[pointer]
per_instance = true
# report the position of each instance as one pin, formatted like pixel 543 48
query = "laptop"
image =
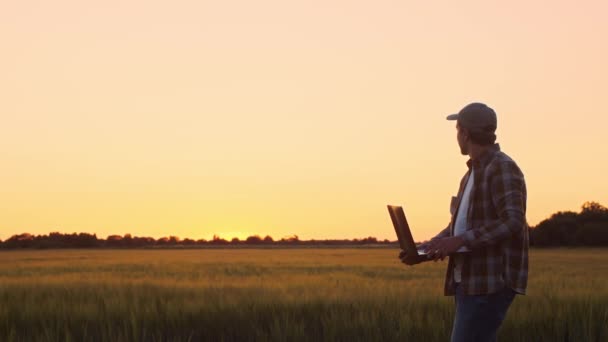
pixel 406 240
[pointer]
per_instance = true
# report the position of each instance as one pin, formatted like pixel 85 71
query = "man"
pixel 487 238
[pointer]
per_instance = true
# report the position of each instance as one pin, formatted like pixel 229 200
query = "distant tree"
pixel 24 240
pixel 163 241
pixel 593 207
pixel 594 234
pixel 292 239
pixel 253 240
pixel 559 230
pixel 85 240
pixel 268 239
pixel 54 240
pixel 593 212
pixel 570 229
pixel 24 237
pixel 143 241
pixel 369 240
pixel 127 240
pixel 217 240
pixel 114 241
pixel 235 241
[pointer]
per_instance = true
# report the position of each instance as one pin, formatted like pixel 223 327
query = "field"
pixel 301 294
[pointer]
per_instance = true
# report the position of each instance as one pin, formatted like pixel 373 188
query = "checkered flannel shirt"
pixel 496 232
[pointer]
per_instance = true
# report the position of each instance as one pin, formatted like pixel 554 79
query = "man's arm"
pixel 508 190
pixel 446 232
pixel 409 261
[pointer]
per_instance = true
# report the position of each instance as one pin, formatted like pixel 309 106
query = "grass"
pixel 279 295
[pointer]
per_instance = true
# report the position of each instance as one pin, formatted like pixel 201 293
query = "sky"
pixel 234 118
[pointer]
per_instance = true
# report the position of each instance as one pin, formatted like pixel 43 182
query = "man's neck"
pixel 476 151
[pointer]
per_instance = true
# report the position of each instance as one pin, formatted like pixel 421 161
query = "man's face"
pixel 461 136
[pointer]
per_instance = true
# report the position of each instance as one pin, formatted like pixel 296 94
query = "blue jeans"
pixel 478 317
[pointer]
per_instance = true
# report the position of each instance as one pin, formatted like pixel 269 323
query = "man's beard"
pixel 463 150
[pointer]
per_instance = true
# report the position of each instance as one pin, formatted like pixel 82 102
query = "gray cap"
pixel 476 117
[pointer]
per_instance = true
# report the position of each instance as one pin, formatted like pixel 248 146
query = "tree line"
pixel 589 227
pixel 86 240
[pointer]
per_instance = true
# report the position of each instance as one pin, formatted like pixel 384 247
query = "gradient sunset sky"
pixel 195 118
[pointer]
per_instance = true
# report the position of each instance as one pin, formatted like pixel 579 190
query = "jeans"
pixel 478 317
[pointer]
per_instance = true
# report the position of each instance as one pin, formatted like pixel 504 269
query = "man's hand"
pixel 440 248
pixel 408 260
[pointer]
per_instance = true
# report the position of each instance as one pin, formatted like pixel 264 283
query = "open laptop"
pixel 406 241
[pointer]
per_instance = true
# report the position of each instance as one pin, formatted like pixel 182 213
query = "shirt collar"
pixel 485 157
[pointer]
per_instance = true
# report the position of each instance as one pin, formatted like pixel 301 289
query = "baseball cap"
pixel 476 117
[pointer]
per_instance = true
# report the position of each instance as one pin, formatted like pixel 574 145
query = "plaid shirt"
pixel 497 232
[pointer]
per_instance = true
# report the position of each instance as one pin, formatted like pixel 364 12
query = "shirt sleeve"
pixel 508 192
pixel 442 234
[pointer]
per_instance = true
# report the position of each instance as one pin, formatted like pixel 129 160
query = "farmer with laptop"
pixel 489 222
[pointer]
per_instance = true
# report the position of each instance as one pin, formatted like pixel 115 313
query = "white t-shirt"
pixel 460 226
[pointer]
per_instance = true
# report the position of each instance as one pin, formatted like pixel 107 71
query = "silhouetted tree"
pixel 593 207
pixel 114 241
pixel 163 241
pixel 23 240
pixel 143 241
pixel 253 240
pixel 593 212
pixel 218 240
pixel 369 240
pixel 85 240
pixel 594 234
pixel 589 227
pixel 293 239
pixel 127 240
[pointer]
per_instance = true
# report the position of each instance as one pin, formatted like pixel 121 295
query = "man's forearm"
pixel 446 232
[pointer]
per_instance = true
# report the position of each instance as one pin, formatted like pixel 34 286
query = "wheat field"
pixel 292 294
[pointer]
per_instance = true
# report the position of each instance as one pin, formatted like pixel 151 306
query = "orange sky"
pixel 194 118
